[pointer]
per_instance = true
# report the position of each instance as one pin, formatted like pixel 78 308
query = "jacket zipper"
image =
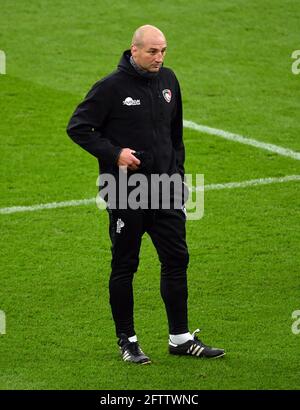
pixel 152 113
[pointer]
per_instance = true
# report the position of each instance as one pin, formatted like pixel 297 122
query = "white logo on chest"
pixel 131 101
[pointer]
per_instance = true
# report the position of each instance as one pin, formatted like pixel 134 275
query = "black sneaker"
pixel 195 348
pixel 131 351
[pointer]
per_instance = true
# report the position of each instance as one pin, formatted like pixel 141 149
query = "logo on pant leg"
pixel 120 225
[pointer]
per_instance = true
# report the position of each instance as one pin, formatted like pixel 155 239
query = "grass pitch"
pixel 233 60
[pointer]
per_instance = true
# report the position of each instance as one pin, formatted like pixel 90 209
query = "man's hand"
pixel 128 160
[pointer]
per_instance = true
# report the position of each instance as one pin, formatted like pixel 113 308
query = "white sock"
pixel 132 338
pixel 182 338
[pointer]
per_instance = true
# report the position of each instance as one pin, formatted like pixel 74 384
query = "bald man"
pixel 132 120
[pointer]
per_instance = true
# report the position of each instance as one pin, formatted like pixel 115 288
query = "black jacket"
pixel 128 110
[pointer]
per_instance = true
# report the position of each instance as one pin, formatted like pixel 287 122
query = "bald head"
pixel 148 48
pixel 145 34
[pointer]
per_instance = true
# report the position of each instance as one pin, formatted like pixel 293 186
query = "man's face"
pixel 150 55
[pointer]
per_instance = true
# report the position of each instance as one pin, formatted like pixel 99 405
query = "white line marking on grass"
pixel 243 140
pixel 51 205
pixel 252 182
pixel 209 187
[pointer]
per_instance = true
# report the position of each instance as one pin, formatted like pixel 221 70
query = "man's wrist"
pixel 118 156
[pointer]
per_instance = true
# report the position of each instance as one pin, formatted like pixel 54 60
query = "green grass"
pixel 233 62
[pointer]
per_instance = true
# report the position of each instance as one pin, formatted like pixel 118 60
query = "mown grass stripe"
pixel 243 140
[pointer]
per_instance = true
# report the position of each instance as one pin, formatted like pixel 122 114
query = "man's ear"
pixel 133 49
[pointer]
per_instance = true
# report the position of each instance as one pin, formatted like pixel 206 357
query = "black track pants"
pixel 167 231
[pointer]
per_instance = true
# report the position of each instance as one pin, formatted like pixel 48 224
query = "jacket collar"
pixel 128 65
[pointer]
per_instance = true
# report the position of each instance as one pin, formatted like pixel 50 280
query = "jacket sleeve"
pixel 177 131
pixel 88 120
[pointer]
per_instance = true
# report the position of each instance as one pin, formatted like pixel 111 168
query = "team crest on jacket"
pixel 167 94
